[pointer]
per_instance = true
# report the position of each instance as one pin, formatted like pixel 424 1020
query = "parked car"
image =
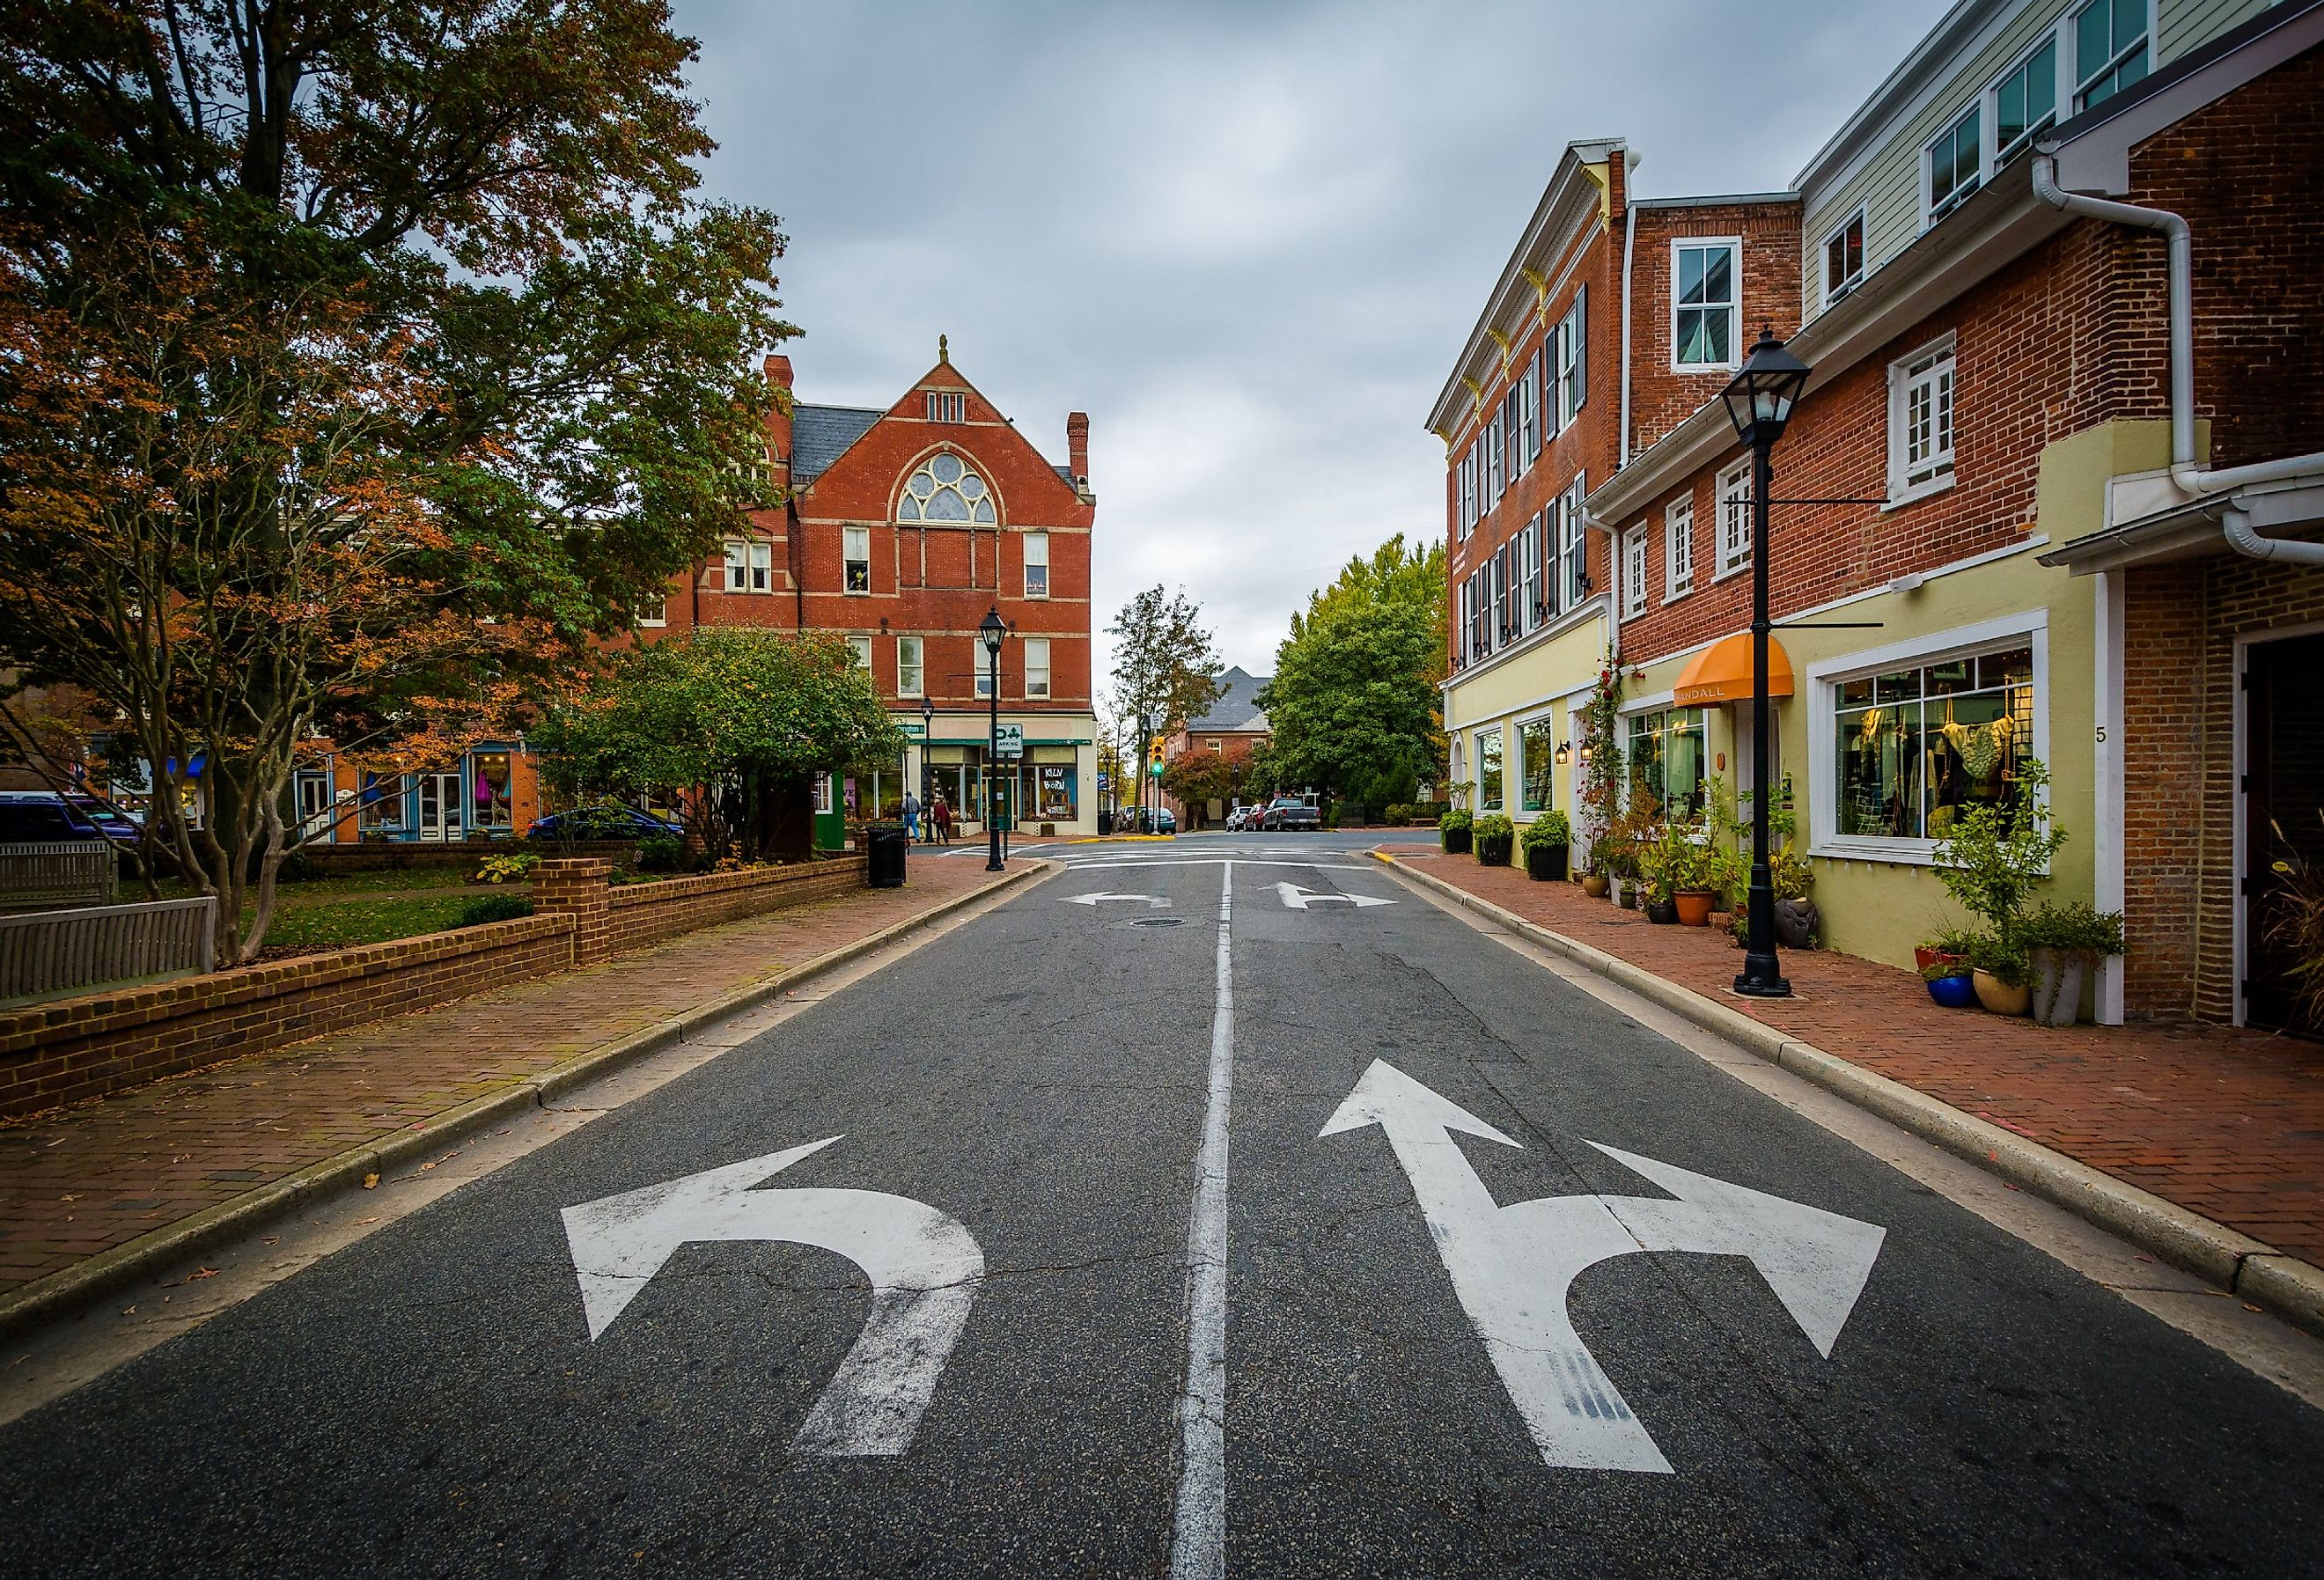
pixel 609 821
pixel 119 827
pixel 1166 821
pixel 43 817
pixel 1236 819
pixel 1285 813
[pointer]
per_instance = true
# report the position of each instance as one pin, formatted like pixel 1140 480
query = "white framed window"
pixel 1950 166
pixel 1528 398
pixel 1734 519
pixel 1915 733
pixel 860 646
pixel 823 794
pixel 1573 357
pixel 1036 565
pixel 2024 102
pixel 857 548
pixel 1678 549
pixel 1843 258
pixel 749 566
pixel 1921 422
pixel 1036 667
pixel 1495 480
pixel 1501 568
pixel 654 615
pixel 1529 574
pixel 948 406
pixel 1634 573
pixel 1706 299
pixel 1544 364
pixel 1490 790
pixel 911 667
pixel 944 488
pixel 2111 50
pixel 984 663
pixel 1572 549
pixel 1215 745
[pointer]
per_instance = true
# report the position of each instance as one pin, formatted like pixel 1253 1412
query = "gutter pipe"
pixel 2191 478
pixel 1629 243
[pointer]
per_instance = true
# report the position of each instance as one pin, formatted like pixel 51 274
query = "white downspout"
pixel 2191 478
pixel 1629 242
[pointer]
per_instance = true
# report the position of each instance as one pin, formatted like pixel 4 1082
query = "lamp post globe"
pixel 1759 401
pixel 993 630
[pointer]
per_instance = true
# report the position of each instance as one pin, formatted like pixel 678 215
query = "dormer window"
pixel 948 406
pixel 1843 259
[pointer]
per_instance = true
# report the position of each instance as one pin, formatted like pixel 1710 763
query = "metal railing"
pixel 47 953
pixel 39 876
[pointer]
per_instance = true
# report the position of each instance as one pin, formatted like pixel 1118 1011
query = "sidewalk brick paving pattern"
pixel 79 1180
pixel 2228 1123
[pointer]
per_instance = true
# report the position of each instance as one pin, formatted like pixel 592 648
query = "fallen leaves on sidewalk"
pixel 370 1182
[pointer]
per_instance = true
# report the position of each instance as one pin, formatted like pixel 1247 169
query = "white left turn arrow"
pixel 1513 1266
pixel 1294 897
pixel 1101 898
pixel 925 1272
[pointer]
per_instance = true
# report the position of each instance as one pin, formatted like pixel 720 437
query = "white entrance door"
pixel 440 806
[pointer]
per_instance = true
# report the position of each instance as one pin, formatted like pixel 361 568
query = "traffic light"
pixel 1154 758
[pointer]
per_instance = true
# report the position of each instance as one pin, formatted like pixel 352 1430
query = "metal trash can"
pixel 1104 821
pixel 887 844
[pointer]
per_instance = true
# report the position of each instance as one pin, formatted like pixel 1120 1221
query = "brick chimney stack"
pixel 778 420
pixel 1077 445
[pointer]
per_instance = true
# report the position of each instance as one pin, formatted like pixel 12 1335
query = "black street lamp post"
pixel 993 630
pixel 1760 403
pixel 928 767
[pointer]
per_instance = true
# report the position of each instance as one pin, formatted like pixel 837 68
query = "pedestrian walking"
pixel 911 816
pixel 940 814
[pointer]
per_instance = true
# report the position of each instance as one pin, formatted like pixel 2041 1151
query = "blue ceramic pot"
pixel 1955 993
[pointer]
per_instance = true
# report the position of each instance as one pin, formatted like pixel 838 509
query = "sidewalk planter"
pixel 1998 996
pixel 1493 838
pixel 2057 985
pixel 1595 884
pixel 1955 993
pixel 1453 831
pixel 1663 912
pixel 1795 923
pixel 1546 863
pixel 1694 906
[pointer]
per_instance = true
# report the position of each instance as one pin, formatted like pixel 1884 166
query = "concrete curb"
pixel 2292 1288
pixel 67 1288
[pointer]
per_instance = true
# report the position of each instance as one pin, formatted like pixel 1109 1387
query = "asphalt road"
pixel 430 1401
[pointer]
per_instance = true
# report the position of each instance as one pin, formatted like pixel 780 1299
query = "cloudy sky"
pixel 1247 238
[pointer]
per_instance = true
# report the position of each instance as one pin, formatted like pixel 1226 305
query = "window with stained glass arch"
pixel 942 488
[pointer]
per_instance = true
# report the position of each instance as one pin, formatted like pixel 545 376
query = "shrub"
pixel 1494 836
pixel 2003 959
pixel 487 908
pixel 1993 856
pixel 513 867
pixel 2079 928
pixel 1550 830
pixel 661 853
pixel 1458 817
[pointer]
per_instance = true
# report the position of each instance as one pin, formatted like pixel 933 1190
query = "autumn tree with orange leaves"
pixel 360 367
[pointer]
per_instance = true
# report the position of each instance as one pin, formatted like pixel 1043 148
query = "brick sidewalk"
pixel 80 1180
pixel 2227 1123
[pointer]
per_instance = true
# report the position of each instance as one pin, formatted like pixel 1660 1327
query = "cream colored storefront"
pixel 1055 782
pixel 1515 739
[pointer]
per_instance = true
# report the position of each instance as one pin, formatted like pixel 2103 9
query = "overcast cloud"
pixel 1248 239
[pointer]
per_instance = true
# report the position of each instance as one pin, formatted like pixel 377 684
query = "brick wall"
pixel 74 1049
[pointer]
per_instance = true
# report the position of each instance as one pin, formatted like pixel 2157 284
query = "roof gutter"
pixel 2234 523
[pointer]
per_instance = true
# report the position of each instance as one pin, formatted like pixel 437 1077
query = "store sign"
pixel 1008 740
pixel 914 729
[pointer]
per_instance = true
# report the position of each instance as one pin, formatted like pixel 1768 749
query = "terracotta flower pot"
pixel 1998 998
pixel 1594 884
pixel 1694 906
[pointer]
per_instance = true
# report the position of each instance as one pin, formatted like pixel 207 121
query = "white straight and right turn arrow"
pixel 1513 1266
pixel 1294 897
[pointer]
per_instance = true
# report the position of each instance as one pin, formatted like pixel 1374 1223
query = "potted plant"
pixel 1950 983
pixel 1949 949
pixel 1998 975
pixel 1690 867
pixel 1545 843
pixel 1655 872
pixel 1493 837
pixel 1452 829
pixel 2063 944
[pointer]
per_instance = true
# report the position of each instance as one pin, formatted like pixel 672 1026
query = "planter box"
pixel 1456 841
pixel 1545 863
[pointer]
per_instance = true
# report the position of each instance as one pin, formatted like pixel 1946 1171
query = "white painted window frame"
pixel 1734 304
pixel 1859 217
pixel 860 644
pixel 1036 678
pixel 1930 212
pixel 1496 733
pixel 1917 367
pixel 1678 548
pixel 2060 38
pixel 1731 502
pixel 915 668
pixel 1036 558
pixel 2069 103
pixel 851 539
pixel 749 560
pixel 1634 572
pixel 1574 349
pixel 1821 688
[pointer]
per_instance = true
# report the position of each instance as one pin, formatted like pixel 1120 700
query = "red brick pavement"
pixel 2227 1123
pixel 80 1180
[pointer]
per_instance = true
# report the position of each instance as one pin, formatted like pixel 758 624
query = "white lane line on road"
pixel 1198 1543
pixel 1219 861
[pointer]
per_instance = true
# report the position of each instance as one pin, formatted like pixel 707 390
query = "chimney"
pixel 778 420
pixel 1077 445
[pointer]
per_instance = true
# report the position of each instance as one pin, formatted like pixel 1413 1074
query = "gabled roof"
pixel 1236 709
pixel 820 435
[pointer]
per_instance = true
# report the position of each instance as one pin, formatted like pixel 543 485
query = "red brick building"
pixel 901 528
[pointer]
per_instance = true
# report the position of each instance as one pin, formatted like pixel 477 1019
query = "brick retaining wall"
pixel 72 1049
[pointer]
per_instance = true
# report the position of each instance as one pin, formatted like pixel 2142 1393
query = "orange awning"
pixel 1721 673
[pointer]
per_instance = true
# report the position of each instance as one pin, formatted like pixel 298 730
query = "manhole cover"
pixel 1159 921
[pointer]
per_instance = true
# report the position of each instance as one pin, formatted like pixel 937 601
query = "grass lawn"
pixel 365 908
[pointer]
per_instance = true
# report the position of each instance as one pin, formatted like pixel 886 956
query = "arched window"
pixel 945 490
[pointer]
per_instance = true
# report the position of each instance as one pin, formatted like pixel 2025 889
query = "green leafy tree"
pixel 1166 670
pixel 364 364
pixel 1196 777
pixel 1354 705
pixel 731 722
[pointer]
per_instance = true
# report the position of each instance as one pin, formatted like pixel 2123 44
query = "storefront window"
pixel 1667 756
pixel 1918 745
pixel 1056 784
pixel 494 808
pixel 381 810
pixel 1489 771
pixel 1537 750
